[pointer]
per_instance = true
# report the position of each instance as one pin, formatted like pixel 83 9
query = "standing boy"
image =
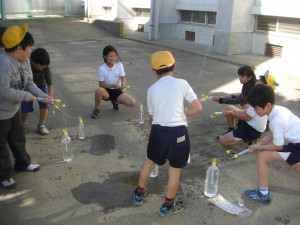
pixel 42 77
pixel 285 127
pixel 169 138
pixel 16 85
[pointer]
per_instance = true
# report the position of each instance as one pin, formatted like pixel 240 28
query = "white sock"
pixel 264 191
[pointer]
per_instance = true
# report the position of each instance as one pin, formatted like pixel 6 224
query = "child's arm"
pixel 50 90
pixel 239 114
pixel 240 99
pixel 123 82
pixel 265 145
pixel 104 85
pixel 196 108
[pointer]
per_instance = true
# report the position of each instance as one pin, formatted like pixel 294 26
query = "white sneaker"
pixel 42 129
pixel 8 183
pixel 33 167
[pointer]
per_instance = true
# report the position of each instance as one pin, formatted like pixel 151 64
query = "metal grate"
pixel 189 36
pixel 274 51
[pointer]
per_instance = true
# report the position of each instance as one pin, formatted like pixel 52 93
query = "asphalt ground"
pixel 97 187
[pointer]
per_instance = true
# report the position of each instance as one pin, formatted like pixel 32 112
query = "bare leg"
pixel 145 173
pixel 126 100
pixel 228 140
pixel 173 182
pixel 296 167
pixel 263 168
pixel 100 94
pixel 24 117
pixel 43 115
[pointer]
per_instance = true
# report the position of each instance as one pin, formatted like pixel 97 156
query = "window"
pixel 141 12
pixel 200 17
pixel 278 24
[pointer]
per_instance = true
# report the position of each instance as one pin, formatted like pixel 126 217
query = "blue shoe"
pixel 175 208
pixel 138 199
pixel 257 195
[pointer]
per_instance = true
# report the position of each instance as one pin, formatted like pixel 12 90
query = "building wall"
pixel 290 42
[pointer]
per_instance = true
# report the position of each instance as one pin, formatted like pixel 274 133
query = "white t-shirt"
pixel 111 75
pixel 284 125
pixel 165 101
pixel 257 122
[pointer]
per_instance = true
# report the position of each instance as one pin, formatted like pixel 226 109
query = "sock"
pixel 97 107
pixel 168 202
pixel 139 190
pixel 264 191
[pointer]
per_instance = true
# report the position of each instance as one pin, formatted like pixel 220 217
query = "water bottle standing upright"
pixel 141 114
pixel 67 151
pixel 212 180
pixel 81 133
pixel 154 172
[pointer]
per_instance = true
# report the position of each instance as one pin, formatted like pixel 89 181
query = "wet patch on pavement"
pixel 114 192
pixel 102 144
pixel 117 190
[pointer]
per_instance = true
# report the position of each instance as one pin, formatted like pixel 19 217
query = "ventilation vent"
pixel 190 36
pixel 274 51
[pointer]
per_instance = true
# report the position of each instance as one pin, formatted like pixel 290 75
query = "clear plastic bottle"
pixel 141 114
pixel 212 179
pixel 154 172
pixel 81 133
pixel 67 151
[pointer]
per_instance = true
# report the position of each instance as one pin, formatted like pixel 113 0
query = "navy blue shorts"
pixel 169 143
pixel 245 132
pixel 294 150
pixel 113 94
pixel 27 107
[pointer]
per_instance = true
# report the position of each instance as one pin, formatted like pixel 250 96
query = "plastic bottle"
pixel 154 172
pixel 81 133
pixel 141 114
pixel 67 151
pixel 212 180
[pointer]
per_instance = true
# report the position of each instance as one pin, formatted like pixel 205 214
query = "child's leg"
pixel 173 182
pixel 43 115
pixel 145 173
pixel 100 94
pixel 24 117
pixel 296 167
pixel 262 166
pixel 127 100
pixel 228 140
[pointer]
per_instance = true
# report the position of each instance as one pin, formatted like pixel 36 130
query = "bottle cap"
pixel 65 132
pixel 80 119
pixel 214 161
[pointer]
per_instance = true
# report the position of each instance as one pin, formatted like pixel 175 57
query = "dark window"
pixel 189 36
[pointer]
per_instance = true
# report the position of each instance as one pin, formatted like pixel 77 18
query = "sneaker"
pixel 42 129
pixel 96 113
pixel 257 195
pixel 138 199
pixel 115 104
pixel 8 183
pixel 31 168
pixel 175 208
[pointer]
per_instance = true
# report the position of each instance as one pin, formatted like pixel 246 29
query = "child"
pixel 285 145
pixel 111 76
pixel 247 78
pixel 169 138
pixel 16 85
pixel 42 77
pixel 249 126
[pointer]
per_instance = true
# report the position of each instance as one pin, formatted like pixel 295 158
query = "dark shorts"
pixel 294 150
pixel 113 94
pixel 27 107
pixel 245 132
pixel 169 143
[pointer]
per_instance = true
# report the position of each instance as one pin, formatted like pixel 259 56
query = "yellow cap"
pixel 271 81
pixel 14 35
pixel 162 59
pixel 65 132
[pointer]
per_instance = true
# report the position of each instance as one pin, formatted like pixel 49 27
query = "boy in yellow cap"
pixel 169 138
pixel 16 85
